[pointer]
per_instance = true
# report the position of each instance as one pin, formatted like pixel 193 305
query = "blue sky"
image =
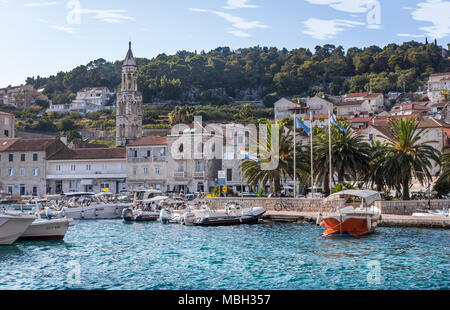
pixel 42 37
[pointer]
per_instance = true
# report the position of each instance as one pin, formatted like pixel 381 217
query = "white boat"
pixel 84 206
pixel 233 214
pixel 12 226
pixel 144 211
pixel 433 213
pixel 45 229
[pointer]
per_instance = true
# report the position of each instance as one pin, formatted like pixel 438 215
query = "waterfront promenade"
pixel 388 220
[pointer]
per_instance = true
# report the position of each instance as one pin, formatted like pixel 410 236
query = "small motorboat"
pixel 147 210
pixel 433 213
pixel 12 226
pixel 87 206
pixel 353 221
pixel 234 214
pixel 47 227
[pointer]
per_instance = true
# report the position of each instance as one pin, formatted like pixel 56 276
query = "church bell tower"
pixel 129 104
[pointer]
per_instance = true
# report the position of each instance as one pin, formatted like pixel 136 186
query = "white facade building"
pixel 89 170
pixel 436 85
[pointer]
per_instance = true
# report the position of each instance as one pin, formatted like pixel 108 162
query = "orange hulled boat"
pixel 353 221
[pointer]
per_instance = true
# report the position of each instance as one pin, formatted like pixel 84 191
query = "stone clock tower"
pixel 129 104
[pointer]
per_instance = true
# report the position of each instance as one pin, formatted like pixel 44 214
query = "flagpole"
pixel 312 155
pixel 295 154
pixel 330 152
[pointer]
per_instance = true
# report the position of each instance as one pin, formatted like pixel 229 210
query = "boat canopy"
pixel 368 195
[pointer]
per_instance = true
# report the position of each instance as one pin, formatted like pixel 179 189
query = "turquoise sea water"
pixel 115 255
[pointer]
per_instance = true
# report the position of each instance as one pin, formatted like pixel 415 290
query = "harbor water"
pixel 115 255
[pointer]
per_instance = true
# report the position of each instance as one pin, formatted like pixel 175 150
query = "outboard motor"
pixel 127 215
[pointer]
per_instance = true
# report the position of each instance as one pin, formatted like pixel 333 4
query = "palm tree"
pixel 256 173
pixel 407 156
pixel 350 155
pixel 181 114
pixel 377 174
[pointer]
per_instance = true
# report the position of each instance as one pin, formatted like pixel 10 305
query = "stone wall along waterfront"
pixel 318 205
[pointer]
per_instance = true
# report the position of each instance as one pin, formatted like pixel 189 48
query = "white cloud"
pixel 240 23
pixel 327 29
pixel 109 16
pixel 410 35
pixel 239 4
pixel 33 4
pixel 69 30
pixel 435 12
pixel 350 6
pixel 238 33
pixel 198 10
pixel 3 1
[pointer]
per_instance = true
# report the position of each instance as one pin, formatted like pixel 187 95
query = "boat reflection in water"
pixel 353 221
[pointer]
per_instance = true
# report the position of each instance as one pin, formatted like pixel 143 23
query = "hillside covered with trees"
pixel 222 75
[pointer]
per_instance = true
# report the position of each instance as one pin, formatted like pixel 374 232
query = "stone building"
pixel 437 84
pixel 129 104
pixel 147 163
pixel 195 157
pixel 23 164
pixel 7 125
pixel 21 96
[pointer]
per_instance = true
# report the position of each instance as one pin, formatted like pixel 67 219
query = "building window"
pixel 35 172
pixel 22 157
pixel 104 187
pixel 11 157
pixel 229 175
pixel 35 191
pixel 145 170
pixel 35 157
pixel 7 133
pixel 58 167
pixel 73 185
pixel 157 171
pixel 22 172
pixel 10 172
pixel 73 168
pixel 88 167
pixel 134 170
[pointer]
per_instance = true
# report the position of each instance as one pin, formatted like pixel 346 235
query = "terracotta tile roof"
pixel 150 140
pixel 372 96
pixel 82 154
pixel 357 95
pixel 411 106
pixel 30 145
pixel 441 74
pixel 6 143
pixel 360 120
pixel 318 116
pixel 384 130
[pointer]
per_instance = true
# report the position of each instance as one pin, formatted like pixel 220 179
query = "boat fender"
pixel 319 220
pixel 116 211
pixel 369 223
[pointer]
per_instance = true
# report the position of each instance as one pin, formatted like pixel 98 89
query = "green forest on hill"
pixel 270 72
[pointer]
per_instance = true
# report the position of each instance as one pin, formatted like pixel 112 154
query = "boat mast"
pixel 329 148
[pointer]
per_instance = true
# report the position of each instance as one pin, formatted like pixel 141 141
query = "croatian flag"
pixel 334 122
pixel 301 125
pixel 245 155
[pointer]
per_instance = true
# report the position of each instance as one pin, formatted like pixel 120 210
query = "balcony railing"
pixel 146 159
pixel 199 174
pixel 179 174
